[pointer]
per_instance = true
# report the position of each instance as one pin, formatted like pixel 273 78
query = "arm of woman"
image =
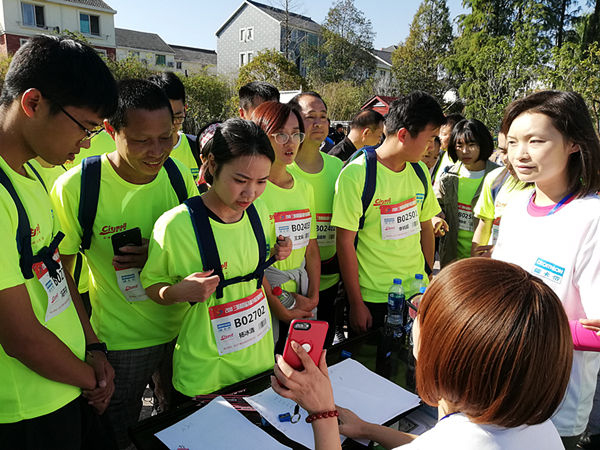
pixel 481 237
pixel 313 268
pixel 280 311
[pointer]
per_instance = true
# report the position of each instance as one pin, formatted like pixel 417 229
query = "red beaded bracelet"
pixel 322 415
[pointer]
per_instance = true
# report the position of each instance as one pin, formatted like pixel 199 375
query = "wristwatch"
pixel 98 346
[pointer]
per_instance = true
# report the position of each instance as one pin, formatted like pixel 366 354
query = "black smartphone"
pixel 127 237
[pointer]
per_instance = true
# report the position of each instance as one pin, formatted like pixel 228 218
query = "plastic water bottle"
pixel 396 301
pixel 417 284
pixel 284 297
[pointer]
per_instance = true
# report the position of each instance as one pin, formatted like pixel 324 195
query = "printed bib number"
pixel 130 284
pixel 55 286
pixel 495 230
pixel 400 220
pixel 241 323
pixel 465 217
pixel 325 232
pixel 295 225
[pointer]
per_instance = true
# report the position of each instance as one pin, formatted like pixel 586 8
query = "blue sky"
pixel 194 22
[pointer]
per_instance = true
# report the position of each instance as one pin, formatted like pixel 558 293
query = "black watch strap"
pixel 99 346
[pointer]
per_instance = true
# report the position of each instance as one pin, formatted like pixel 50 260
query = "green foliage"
pixel 270 65
pixel 4 63
pixel 208 98
pixel 343 51
pixel 344 98
pixel 417 63
pixel 129 67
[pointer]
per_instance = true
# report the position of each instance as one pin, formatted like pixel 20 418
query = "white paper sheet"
pixel 370 396
pixel 217 426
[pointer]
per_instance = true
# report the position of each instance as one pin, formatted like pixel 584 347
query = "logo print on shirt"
pixel 548 270
pixel 381 202
pixel 107 229
pixel 35 231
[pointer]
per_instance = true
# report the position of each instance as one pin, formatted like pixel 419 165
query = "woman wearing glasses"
pixel 290 202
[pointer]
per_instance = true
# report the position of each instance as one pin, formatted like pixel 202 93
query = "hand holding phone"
pixel 124 238
pixel 310 334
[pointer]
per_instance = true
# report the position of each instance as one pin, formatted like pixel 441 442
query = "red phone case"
pixel 314 336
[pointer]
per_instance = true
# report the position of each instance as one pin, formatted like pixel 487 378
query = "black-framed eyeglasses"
pixel 282 138
pixel 89 134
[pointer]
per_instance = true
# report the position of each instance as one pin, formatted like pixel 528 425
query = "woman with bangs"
pixel 459 188
pixel 484 357
pixel 290 202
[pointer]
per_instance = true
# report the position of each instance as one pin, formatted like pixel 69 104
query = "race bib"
pixel 465 217
pixel 325 232
pixel 495 230
pixel 400 220
pixel 130 284
pixel 55 286
pixel 241 323
pixel 295 225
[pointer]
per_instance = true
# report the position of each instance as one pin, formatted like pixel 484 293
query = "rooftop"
pixel 142 40
pixel 193 54
pixel 96 4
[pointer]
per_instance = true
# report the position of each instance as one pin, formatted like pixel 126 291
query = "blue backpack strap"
pixel 497 185
pixel 421 174
pixel 23 235
pixel 89 191
pixel 176 179
pixel 369 186
pixel 192 140
pixel 36 173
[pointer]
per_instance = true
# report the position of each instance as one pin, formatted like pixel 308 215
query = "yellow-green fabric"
pixel 23 393
pixel 173 255
pixel 121 324
pixel 277 199
pixel 379 261
pixel 323 184
pixel 100 144
pixel 183 152
pixel 467 187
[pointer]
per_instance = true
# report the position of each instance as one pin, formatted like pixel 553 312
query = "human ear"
pixel 402 134
pixel 109 129
pixel 30 101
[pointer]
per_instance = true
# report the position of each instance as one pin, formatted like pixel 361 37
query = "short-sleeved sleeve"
pixel 347 204
pixel 484 209
pixel 10 275
pixel 431 207
pixel 65 200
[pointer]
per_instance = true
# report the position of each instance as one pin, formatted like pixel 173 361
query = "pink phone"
pixel 584 339
pixel 310 334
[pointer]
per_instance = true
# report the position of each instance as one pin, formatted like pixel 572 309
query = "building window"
pixel 179 65
pixel 243 60
pixel 89 24
pixel 33 15
pixel 250 34
pixel 242 35
pixel 250 56
pixel 161 60
pixel 22 41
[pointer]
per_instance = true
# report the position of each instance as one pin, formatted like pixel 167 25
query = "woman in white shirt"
pixel 484 357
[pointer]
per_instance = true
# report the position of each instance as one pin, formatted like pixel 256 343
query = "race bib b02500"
pixel 295 225
pixel 400 220
pixel 241 323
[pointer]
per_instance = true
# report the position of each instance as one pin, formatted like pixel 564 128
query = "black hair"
pixel 471 131
pixel 570 115
pixel 261 89
pixel 295 101
pixel 453 119
pixel 437 140
pixel 414 112
pixel 368 118
pixel 170 84
pixel 66 72
pixel 232 139
pixel 138 94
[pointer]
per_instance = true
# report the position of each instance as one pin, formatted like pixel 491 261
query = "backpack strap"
pixel 208 247
pixel 421 174
pixel 38 176
pixel 23 235
pixel 176 179
pixel 370 183
pixel 192 140
pixel 498 183
pixel 89 191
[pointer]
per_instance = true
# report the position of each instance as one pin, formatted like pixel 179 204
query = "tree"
pixel 344 98
pixel 270 65
pixel 129 67
pixel 343 52
pixel 417 63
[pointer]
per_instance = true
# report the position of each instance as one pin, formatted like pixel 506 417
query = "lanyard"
pixel 448 415
pixel 556 207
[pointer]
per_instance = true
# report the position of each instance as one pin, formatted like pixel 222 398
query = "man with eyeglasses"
pixel 320 170
pixel 184 146
pixel 135 188
pixel 49 353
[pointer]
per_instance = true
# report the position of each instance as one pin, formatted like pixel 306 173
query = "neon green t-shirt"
pixel 379 260
pixel 24 394
pixel 183 153
pixel 278 200
pixel 488 209
pixel 121 324
pixel 101 143
pixel 468 182
pixel 198 368
pixel 323 183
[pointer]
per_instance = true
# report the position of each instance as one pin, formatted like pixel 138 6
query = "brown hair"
pixel 494 344
pixel 570 115
pixel 272 116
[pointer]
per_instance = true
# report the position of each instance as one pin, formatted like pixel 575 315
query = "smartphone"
pixel 310 334
pixel 127 237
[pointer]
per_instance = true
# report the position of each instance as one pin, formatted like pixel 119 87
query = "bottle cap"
pixel 422 290
pixel 419 276
pixel 397 281
pixel 277 291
